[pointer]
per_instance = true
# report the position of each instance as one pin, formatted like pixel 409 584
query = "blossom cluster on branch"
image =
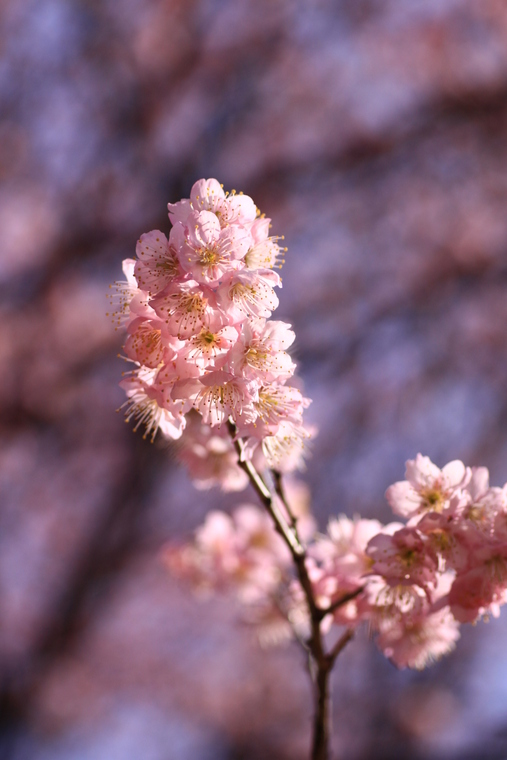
pixel 212 369
pixel 413 583
pixel 196 307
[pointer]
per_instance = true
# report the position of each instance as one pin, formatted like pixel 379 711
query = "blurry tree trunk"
pixel 322 714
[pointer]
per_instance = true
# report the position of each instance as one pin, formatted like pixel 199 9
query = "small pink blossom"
pixel 209 349
pixel 344 547
pixel 211 458
pixel 229 208
pixel 427 488
pixel 286 450
pixel 403 558
pixel 340 564
pixel 245 295
pixel 210 252
pixel 417 641
pixel 481 503
pixel 157 263
pixel 265 252
pixel 241 553
pixel 127 300
pixel 149 405
pixel 445 536
pixel 387 602
pixel 483 587
pixel 275 404
pixel 208 195
pixel 260 351
pixel 219 395
pixel 148 344
pixel 211 561
pixel 187 308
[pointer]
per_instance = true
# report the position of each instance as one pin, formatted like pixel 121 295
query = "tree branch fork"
pixel 322 660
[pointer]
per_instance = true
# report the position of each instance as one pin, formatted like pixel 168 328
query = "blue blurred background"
pixel 374 133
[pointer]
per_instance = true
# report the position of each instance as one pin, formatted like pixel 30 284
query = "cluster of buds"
pixel 413 583
pixel 196 307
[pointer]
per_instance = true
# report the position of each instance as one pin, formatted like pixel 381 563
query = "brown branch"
pixel 340 645
pixel 280 492
pixel 339 602
pixel 322 661
pixel 322 715
pixel 265 495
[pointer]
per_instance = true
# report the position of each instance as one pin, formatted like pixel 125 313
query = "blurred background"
pixel 374 133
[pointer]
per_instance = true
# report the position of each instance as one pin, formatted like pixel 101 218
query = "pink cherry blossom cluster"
pixel 457 523
pixel 412 582
pixel 212 369
pixel 196 309
pixel 242 555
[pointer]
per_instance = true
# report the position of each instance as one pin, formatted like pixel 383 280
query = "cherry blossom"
pixel 248 294
pixel 209 349
pixel 260 352
pixel 211 369
pixel 210 252
pixel 419 640
pixel 157 263
pixel 187 308
pixel 286 450
pixel 427 488
pixel 197 314
pixel 150 406
pixel 148 342
pixel 210 457
pixel 265 252
pixel 221 395
pixel 230 208
pixel 403 558
pixel 241 553
pixel 127 300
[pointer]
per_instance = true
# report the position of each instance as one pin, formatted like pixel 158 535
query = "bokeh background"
pixel 374 133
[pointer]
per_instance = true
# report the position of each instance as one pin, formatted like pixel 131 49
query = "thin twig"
pixel 320 662
pixel 280 492
pixel 339 602
pixel 340 645
pixel 295 547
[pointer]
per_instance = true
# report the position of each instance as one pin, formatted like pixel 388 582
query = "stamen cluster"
pixel 196 307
